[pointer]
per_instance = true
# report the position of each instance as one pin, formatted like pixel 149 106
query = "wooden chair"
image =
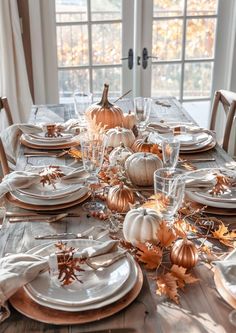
pixel 3 160
pixel 228 100
pixel 4 105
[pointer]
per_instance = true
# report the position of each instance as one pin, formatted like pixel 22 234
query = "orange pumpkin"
pixel 119 197
pixel 184 253
pixel 142 145
pixel 104 113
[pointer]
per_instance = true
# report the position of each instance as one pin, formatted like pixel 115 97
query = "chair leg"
pixel 4 163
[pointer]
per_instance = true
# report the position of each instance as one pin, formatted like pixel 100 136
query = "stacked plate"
pixel 225 279
pixel 99 288
pixel 192 139
pixel 203 181
pixel 46 197
pixel 39 141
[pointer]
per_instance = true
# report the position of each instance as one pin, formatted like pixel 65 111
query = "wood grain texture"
pixel 201 309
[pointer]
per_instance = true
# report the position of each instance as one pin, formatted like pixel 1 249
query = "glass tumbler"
pixel 169 186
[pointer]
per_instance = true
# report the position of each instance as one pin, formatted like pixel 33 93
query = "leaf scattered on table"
pixel 181 276
pixel 225 236
pixel 165 234
pixel 149 254
pixel 73 152
pixel 167 285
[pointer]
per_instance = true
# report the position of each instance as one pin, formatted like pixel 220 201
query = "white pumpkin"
pixel 140 168
pixel 119 155
pixel 129 120
pixel 119 135
pixel 141 225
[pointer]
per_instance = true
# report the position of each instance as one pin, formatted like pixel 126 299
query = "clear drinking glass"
pixel 169 185
pixel 82 101
pixel 170 152
pixel 93 149
pixel 142 110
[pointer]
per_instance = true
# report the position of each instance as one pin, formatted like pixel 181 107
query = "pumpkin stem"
pixel 146 139
pixel 104 101
pixel 144 211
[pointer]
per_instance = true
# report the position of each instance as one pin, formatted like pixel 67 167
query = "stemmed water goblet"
pixel 93 149
pixel 169 186
pixel 142 110
pixel 170 151
pixel 82 101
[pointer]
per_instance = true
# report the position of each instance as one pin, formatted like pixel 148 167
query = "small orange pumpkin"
pixel 142 145
pixel 184 253
pixel 104 113
pixel 119 197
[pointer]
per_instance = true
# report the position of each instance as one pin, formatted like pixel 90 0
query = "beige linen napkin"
pixel 16 270
pixel 227 272
pixel 18 179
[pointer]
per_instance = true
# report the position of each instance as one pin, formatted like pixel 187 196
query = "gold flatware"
pixel 122 96
pixel 45 153
pixel 26 214
pixel 197 160
pixel 38 218
pixel 75 236
pixel 105 260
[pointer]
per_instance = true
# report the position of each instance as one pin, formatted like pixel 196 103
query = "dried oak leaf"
pixel 158 201
pixel 182 277
pixel 50 174
pixel 222 185
pixel 225 236
pixel 188 166
pixel 149 254
pixel 182 227
pixel 165 235
pixel 73 152
pixel 167 285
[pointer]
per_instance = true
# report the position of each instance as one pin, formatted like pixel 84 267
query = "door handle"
pixel 145 58
pixel 130 58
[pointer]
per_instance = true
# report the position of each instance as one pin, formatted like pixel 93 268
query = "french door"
pixel 154 47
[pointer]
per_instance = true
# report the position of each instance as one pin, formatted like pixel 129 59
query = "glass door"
pixel 182 43
pixel 92 42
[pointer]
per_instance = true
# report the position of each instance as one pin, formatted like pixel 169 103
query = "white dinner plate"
pixel 227 197
pixel 48 142
pixel 40 137
pixel 189 139
pixel 46 202
pixel 197 145
pixel 194 196
pixel 111 296
pixel 48 191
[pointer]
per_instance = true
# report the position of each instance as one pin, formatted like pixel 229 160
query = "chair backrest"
pixel 228 100
pixel 4 105
pixel 3 160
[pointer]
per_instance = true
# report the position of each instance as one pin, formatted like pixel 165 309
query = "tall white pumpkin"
pixel 141 225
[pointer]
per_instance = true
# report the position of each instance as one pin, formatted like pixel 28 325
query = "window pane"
pixel 200 38
pixel 71 11
pixel 72 45
pixel 105 10
pixel 70 80
pixel 111 76
pixel 167 39
pixel 168 8
pixel 202 7
pixel 197 79
pixel 106 43
pixel 166 80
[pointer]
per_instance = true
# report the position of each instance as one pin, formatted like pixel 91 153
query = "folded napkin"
pixel 16 270
pixel 18 179
pixel 227 272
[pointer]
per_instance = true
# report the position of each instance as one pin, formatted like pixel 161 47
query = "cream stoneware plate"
pixel 100 288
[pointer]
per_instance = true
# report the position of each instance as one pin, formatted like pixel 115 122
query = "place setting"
pixel 46 188
pixel 77 282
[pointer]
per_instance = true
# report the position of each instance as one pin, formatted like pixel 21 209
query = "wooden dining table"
pixel 201 308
